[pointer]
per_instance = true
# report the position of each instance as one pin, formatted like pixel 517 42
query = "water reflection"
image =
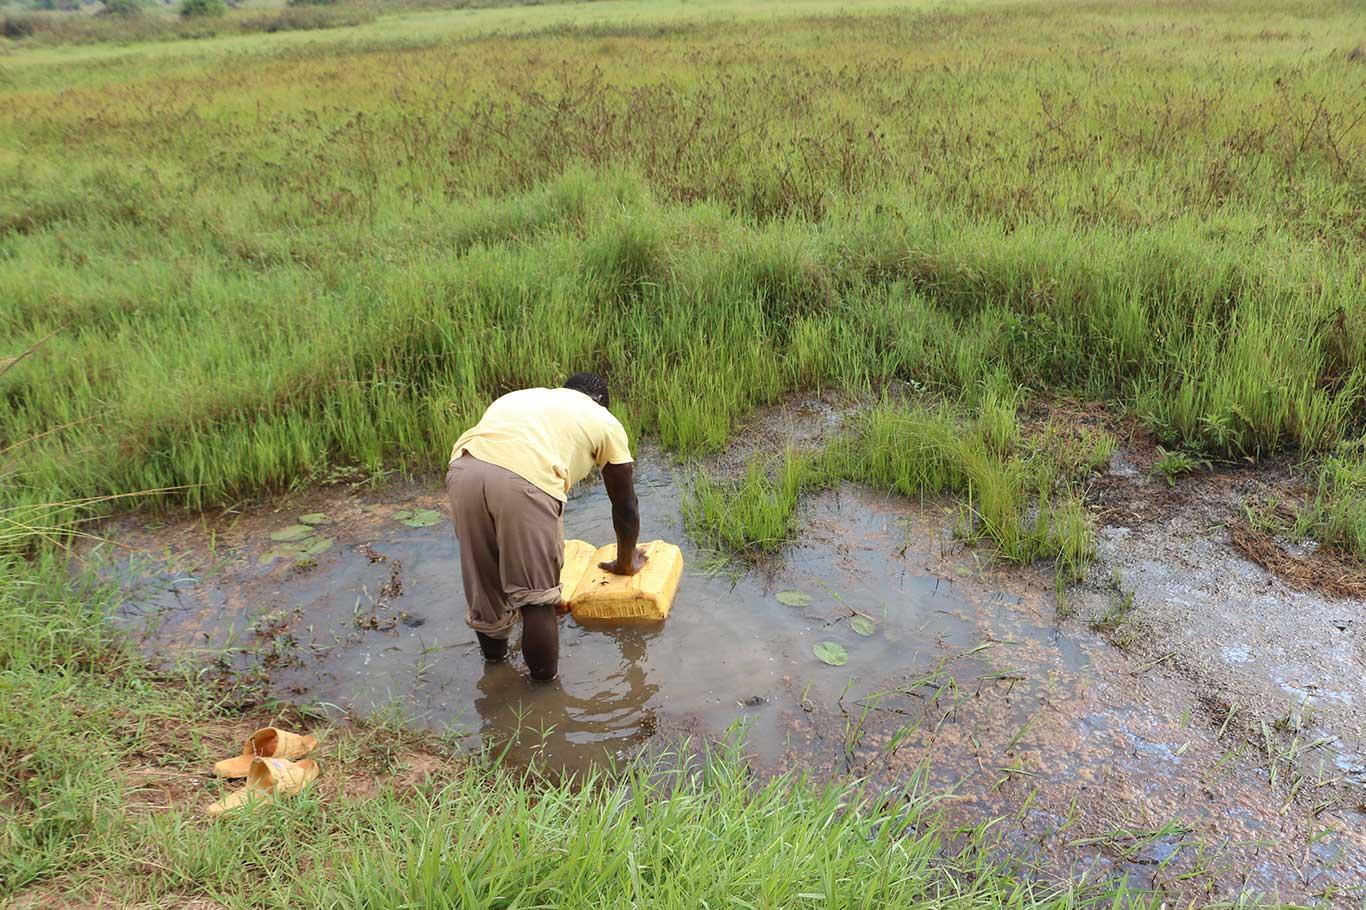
pixel 555 724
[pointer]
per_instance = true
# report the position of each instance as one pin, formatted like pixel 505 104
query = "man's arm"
pixel 620 480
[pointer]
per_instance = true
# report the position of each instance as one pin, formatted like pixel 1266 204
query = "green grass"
pixel 1336 514
pixel 254 261
pixel 695 330
pixel 756 514
pixel 345 275
pixel 1022 492
pixel 695 838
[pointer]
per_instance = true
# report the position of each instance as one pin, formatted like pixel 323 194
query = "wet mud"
pixel 964 677
pixel 1274 652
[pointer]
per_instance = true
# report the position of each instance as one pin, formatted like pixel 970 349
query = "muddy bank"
pixel 1281 660
pixel 1099 748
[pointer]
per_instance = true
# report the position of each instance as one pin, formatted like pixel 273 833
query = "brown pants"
pixel 511 536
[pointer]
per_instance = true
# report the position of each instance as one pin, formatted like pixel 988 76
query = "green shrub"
pixel 123 7
pixel 203 8
pixel 18 25
pixel 305 18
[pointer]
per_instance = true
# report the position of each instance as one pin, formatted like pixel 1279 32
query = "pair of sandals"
pixel 273 763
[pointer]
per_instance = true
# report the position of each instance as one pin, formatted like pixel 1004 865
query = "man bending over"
pixel 508 481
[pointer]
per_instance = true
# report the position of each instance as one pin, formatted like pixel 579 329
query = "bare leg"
pixel 495 649
pixel 540 641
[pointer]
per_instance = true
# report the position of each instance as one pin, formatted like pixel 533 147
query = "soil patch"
pixel 1272 641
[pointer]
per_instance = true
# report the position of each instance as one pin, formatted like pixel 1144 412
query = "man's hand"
pixel 562 608
pixel 628 567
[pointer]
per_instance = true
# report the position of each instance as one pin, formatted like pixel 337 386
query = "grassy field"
pixel 253 261
pixel 271 257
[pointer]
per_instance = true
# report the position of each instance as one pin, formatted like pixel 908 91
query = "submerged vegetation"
pixel 287 258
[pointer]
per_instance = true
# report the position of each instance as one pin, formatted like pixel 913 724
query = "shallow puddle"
pixel 1096 760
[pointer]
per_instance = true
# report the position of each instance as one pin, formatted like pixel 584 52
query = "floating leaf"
pixel 293 532
pixel 313 518
pixel 418 518
pixel 863 625
pixel 315 546
pixel 830 652
pixel 304 549
pixel 794 598
pixel 283 551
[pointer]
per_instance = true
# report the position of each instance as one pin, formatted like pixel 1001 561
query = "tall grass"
pixel 1336 513
pixel 758 513
pixel 271 281
pixel 697 837
pixel 58 790
pixel 249 377
pixel 1023 492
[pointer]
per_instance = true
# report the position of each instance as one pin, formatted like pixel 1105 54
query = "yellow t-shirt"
pixel 551 437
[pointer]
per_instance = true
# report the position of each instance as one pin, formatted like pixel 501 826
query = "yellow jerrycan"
pixel 597 594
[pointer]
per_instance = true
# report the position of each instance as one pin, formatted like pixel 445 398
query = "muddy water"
pixel 379 622
pixel 1096 761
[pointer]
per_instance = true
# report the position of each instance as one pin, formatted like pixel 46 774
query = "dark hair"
pixel 590 384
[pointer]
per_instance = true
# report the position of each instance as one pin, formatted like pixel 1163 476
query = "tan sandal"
pixel 269 742
pixel 268 778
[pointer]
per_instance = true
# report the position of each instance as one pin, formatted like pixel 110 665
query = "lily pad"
pixel 315 546
pixel 831 653
pixel 293 532
pixel 794 598
pixel 863 625
pixel 304 549
pixel 313 518
pixel 417 518
pixel 284 551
